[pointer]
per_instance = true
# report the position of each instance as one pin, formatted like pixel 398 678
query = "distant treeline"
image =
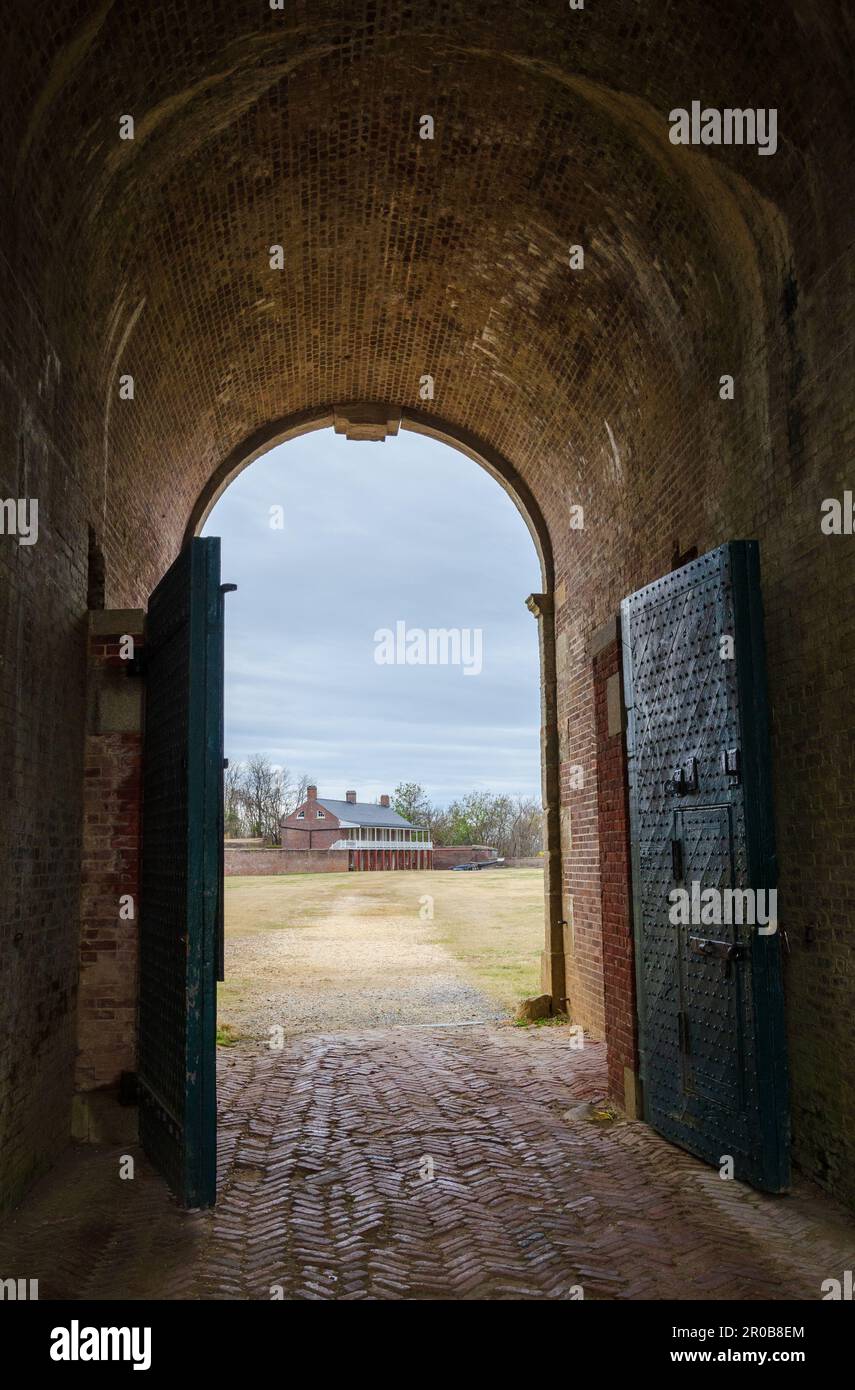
pixel 512 824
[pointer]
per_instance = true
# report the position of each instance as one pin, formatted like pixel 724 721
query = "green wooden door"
pixel 181 891
pixel 708 969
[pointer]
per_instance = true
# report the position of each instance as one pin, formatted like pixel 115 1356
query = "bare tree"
pixel 298 795
pixel 234 801
pixel 266 790
pixel 257 795
pixel 512 825
pixel 525 829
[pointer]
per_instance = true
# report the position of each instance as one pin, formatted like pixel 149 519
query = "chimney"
pixel 311 793
pixel 384 801
pixel 351 797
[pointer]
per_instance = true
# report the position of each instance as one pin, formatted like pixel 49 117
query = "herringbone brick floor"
pixel 326 1151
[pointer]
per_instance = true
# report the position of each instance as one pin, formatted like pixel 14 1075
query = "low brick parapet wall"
pixel 285 861
pixel 448 856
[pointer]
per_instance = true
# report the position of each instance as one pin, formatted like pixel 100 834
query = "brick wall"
pixel 312 832
pixel 580 848
pixel 110 866
pixel 43 599
pixel 285 861
pixel 446 856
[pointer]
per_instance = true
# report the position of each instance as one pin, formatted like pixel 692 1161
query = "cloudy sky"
pixel 373 535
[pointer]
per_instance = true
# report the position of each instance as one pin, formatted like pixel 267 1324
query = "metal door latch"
pixel 684 779
pixel 677 860
pixel 725 951
pixel 731 765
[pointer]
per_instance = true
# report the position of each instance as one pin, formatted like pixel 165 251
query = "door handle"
pixel 725 951
pixel 683 779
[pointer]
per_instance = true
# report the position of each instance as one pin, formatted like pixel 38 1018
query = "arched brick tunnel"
pixel 403 257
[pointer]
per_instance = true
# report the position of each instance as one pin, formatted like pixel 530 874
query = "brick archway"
pixel 553 961
pixel 408 418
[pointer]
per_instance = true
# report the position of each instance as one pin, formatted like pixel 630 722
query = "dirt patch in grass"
pixel 308 952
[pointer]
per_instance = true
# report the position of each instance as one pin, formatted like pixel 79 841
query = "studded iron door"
pixel 711 1024
pixel 182 872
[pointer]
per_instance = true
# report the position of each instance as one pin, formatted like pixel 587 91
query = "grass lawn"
pixel 301 945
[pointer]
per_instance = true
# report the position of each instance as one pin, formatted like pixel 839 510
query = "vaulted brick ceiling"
pixel 402 256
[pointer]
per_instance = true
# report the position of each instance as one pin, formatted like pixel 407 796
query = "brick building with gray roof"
pixel 375 836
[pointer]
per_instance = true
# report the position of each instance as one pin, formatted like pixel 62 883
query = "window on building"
pixel 301 815
pixel 321 815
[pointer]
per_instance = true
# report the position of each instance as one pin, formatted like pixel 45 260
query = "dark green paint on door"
pixel 182 873
pixel 711 1017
